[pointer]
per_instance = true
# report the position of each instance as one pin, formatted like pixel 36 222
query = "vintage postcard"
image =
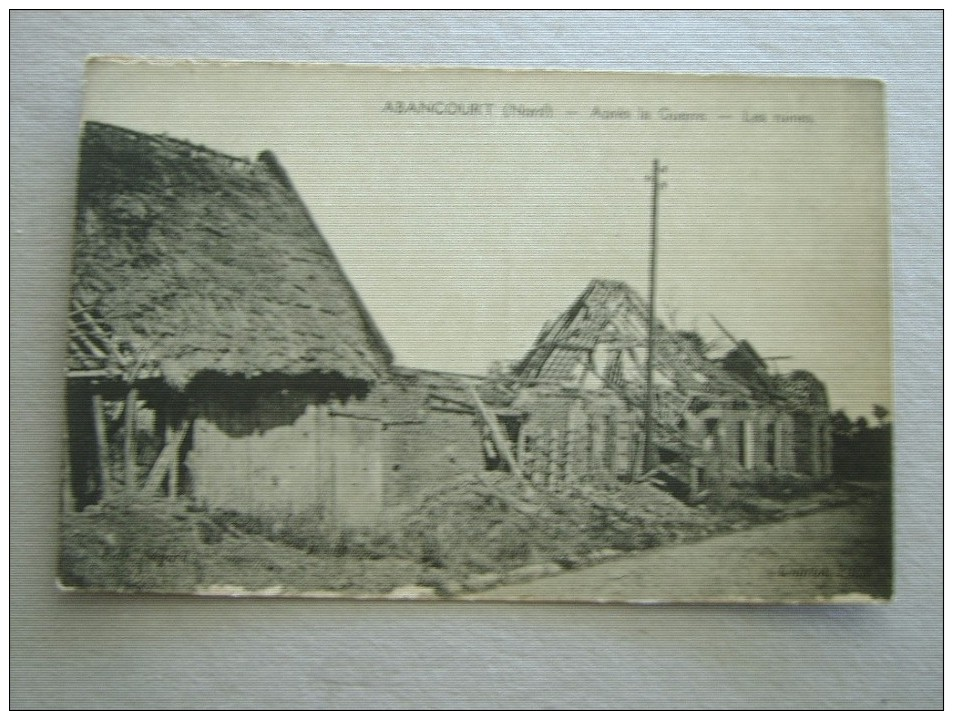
pixel 450 333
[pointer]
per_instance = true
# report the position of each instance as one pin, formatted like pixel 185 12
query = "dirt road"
pixel 810 558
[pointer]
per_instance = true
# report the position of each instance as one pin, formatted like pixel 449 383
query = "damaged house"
pixel 218 352
pixel 582 390
pixel 801 394
pixel 212 335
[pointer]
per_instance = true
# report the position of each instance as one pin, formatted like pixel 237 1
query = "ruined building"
pixel 217 351
pixel 581 388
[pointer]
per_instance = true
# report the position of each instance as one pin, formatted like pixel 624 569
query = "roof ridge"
pixel 163 138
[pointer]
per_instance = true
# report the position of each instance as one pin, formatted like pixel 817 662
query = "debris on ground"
pixel 467 534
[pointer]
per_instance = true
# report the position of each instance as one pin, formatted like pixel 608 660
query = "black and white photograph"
pixel 478 334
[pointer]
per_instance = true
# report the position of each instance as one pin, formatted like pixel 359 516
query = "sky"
pixel 468 207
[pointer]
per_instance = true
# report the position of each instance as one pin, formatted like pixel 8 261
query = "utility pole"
pixel 648 458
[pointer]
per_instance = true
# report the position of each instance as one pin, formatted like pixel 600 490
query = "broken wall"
pixel 433 450
pixel 579 437
pixel 813 444
pixel 594 437
pixel 745 441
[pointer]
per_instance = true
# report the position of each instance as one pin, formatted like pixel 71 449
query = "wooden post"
pixel 170 435
pixel 499 439
pixel 540 474
pixel 129 445
pixel 102 446
pixel 165 462
pixel 648 459
pixel 69 501
pixel 590 445
pixel 570 452
pixel 521 443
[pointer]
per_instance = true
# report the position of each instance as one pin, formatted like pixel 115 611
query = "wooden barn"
pixel 213 337
pixel 581 389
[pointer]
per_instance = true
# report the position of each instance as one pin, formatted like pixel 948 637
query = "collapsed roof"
pixel 602 339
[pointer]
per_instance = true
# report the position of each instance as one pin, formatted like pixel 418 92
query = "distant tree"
pixel 881 413
pixel 861 425
pixel 840 424
pixel 860 451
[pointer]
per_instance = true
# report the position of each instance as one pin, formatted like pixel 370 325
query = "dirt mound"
pixel 129 547
pixel 155 546
pixel 491 522
pixel 469 532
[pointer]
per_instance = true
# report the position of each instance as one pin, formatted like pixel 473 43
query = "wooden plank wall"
pixel 320 464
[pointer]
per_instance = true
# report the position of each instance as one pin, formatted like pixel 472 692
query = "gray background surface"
pixel 152 651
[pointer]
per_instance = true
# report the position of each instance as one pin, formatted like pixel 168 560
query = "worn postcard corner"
pixel 343 331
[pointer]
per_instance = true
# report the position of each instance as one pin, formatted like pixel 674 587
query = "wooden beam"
pixel 102 446
pixel 170 433
pixel 569 346
pixel 452 401
pixel 91 347
pixel 552 467
pixel 355 415
pixel 451 408
pixel 725 330
pixel 500 441
pixel 76 374
pixel 522 380
pixel 133 375
pixel 129 439
pixel 164 462
pixel 68 500
pixel 104 337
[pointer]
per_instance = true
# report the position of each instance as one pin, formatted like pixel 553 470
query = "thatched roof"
pixel 192 261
